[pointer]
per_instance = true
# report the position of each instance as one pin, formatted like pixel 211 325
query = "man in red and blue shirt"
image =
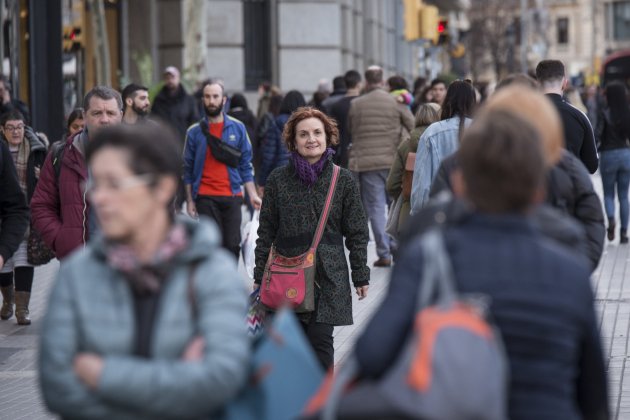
pixel 213 187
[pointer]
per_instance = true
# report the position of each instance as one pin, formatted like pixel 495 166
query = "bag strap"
pixel 323 218
pixel 438 284
pixel 206 132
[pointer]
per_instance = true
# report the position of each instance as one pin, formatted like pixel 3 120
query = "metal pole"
pixel 524 40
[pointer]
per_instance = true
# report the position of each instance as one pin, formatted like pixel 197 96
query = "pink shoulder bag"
pixel 291 280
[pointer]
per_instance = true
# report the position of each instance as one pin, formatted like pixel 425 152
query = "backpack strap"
pixel 323 218
pixel 57 152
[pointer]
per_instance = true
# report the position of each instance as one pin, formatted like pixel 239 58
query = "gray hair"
pixel 103 92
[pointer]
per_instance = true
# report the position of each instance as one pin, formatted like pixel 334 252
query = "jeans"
pixel 226 212
pixel 615 171
pixel 374 197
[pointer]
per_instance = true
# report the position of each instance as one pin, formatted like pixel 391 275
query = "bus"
pixel 616 67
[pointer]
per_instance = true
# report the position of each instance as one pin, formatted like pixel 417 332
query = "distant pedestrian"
pixel 217 162
pixel 613 135
pixel 173 105
pixel 273 149
pixel 8 103
pixel 239 109
pixel 148 318
pixel 540 295
pixel 28 152
pixel 136 103
pixel 339 111
pixel 578 132
pixel 399 179
pixel 321 94
pixel 294 199
pixel 441 139
pixel 62 212
pixel 378 123
pixel 399 89
pixel 339 91
pixel 264 124
pixel 76 122
pixel 438 91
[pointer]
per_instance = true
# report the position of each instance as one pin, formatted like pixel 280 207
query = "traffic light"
pixel 442 29
pixel 73 39
pixel 429 19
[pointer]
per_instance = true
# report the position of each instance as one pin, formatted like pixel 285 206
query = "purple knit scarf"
pixel 308 173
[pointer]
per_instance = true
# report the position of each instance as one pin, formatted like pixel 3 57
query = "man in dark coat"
pixel 578 132
pixel 173 105
pixel 14 214
pixel 339 111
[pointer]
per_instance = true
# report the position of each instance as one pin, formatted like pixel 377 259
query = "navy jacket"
pixel 542 303
pixel 274 153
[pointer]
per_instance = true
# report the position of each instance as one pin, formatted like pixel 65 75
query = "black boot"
pixel 7 302
pixel 623 236
pixel 611 229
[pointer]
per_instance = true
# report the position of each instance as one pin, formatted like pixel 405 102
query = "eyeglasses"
pixel 116 186
pixel 12 128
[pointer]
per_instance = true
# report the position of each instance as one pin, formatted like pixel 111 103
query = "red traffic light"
pixel 442 25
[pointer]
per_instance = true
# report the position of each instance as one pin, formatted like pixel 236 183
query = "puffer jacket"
pixel 377 125
pixel 60 208
pixel 274 153
pixel 93 311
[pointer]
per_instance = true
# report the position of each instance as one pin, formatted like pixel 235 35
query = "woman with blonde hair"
pixel 401 174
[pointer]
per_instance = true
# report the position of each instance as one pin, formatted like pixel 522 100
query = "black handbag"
pixel 37 252
pixel 221 151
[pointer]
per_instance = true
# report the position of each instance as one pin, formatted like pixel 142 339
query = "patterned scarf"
pixel 308 173
pixel 147 278
pixel 21 163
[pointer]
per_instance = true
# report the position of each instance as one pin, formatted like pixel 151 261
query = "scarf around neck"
pixel 306 172
pixel 147 278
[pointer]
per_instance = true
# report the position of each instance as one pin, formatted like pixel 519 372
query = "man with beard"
pixel 136 103
pixel 217 161
pixel 173 105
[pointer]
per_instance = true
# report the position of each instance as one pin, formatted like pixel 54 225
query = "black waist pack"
pixel 221 151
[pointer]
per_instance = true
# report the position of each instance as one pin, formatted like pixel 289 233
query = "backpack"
pixel 407 177
pixel 452 366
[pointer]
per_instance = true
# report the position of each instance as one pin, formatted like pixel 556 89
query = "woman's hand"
pixel 194 350
pixel 88 367
pixel 362 292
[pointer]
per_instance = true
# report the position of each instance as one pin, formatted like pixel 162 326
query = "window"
pixel 562 28
pixel 621 20
pixel 257 43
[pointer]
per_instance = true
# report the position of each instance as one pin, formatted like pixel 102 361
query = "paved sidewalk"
pixel 20 397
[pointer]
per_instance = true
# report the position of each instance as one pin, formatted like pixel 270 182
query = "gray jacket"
pixel 91 310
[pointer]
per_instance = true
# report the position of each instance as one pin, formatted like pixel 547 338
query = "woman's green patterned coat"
pixel 288 219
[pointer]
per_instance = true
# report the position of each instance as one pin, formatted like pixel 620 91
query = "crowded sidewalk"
pixel 20 396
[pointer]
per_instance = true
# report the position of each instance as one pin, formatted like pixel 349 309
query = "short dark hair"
pixel 549 71
pixel 374 75
pixel 103 92
pixel 502 161
pixel 339 83
pixel 213 81
pixel 438 81
pixel 397 82
pixel 352 78
pixel 306 112
pixel 292 101
pixel 153 148
pixel 130 92
pixel 12 115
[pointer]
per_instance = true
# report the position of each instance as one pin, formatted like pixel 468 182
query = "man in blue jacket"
pixel 217 161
